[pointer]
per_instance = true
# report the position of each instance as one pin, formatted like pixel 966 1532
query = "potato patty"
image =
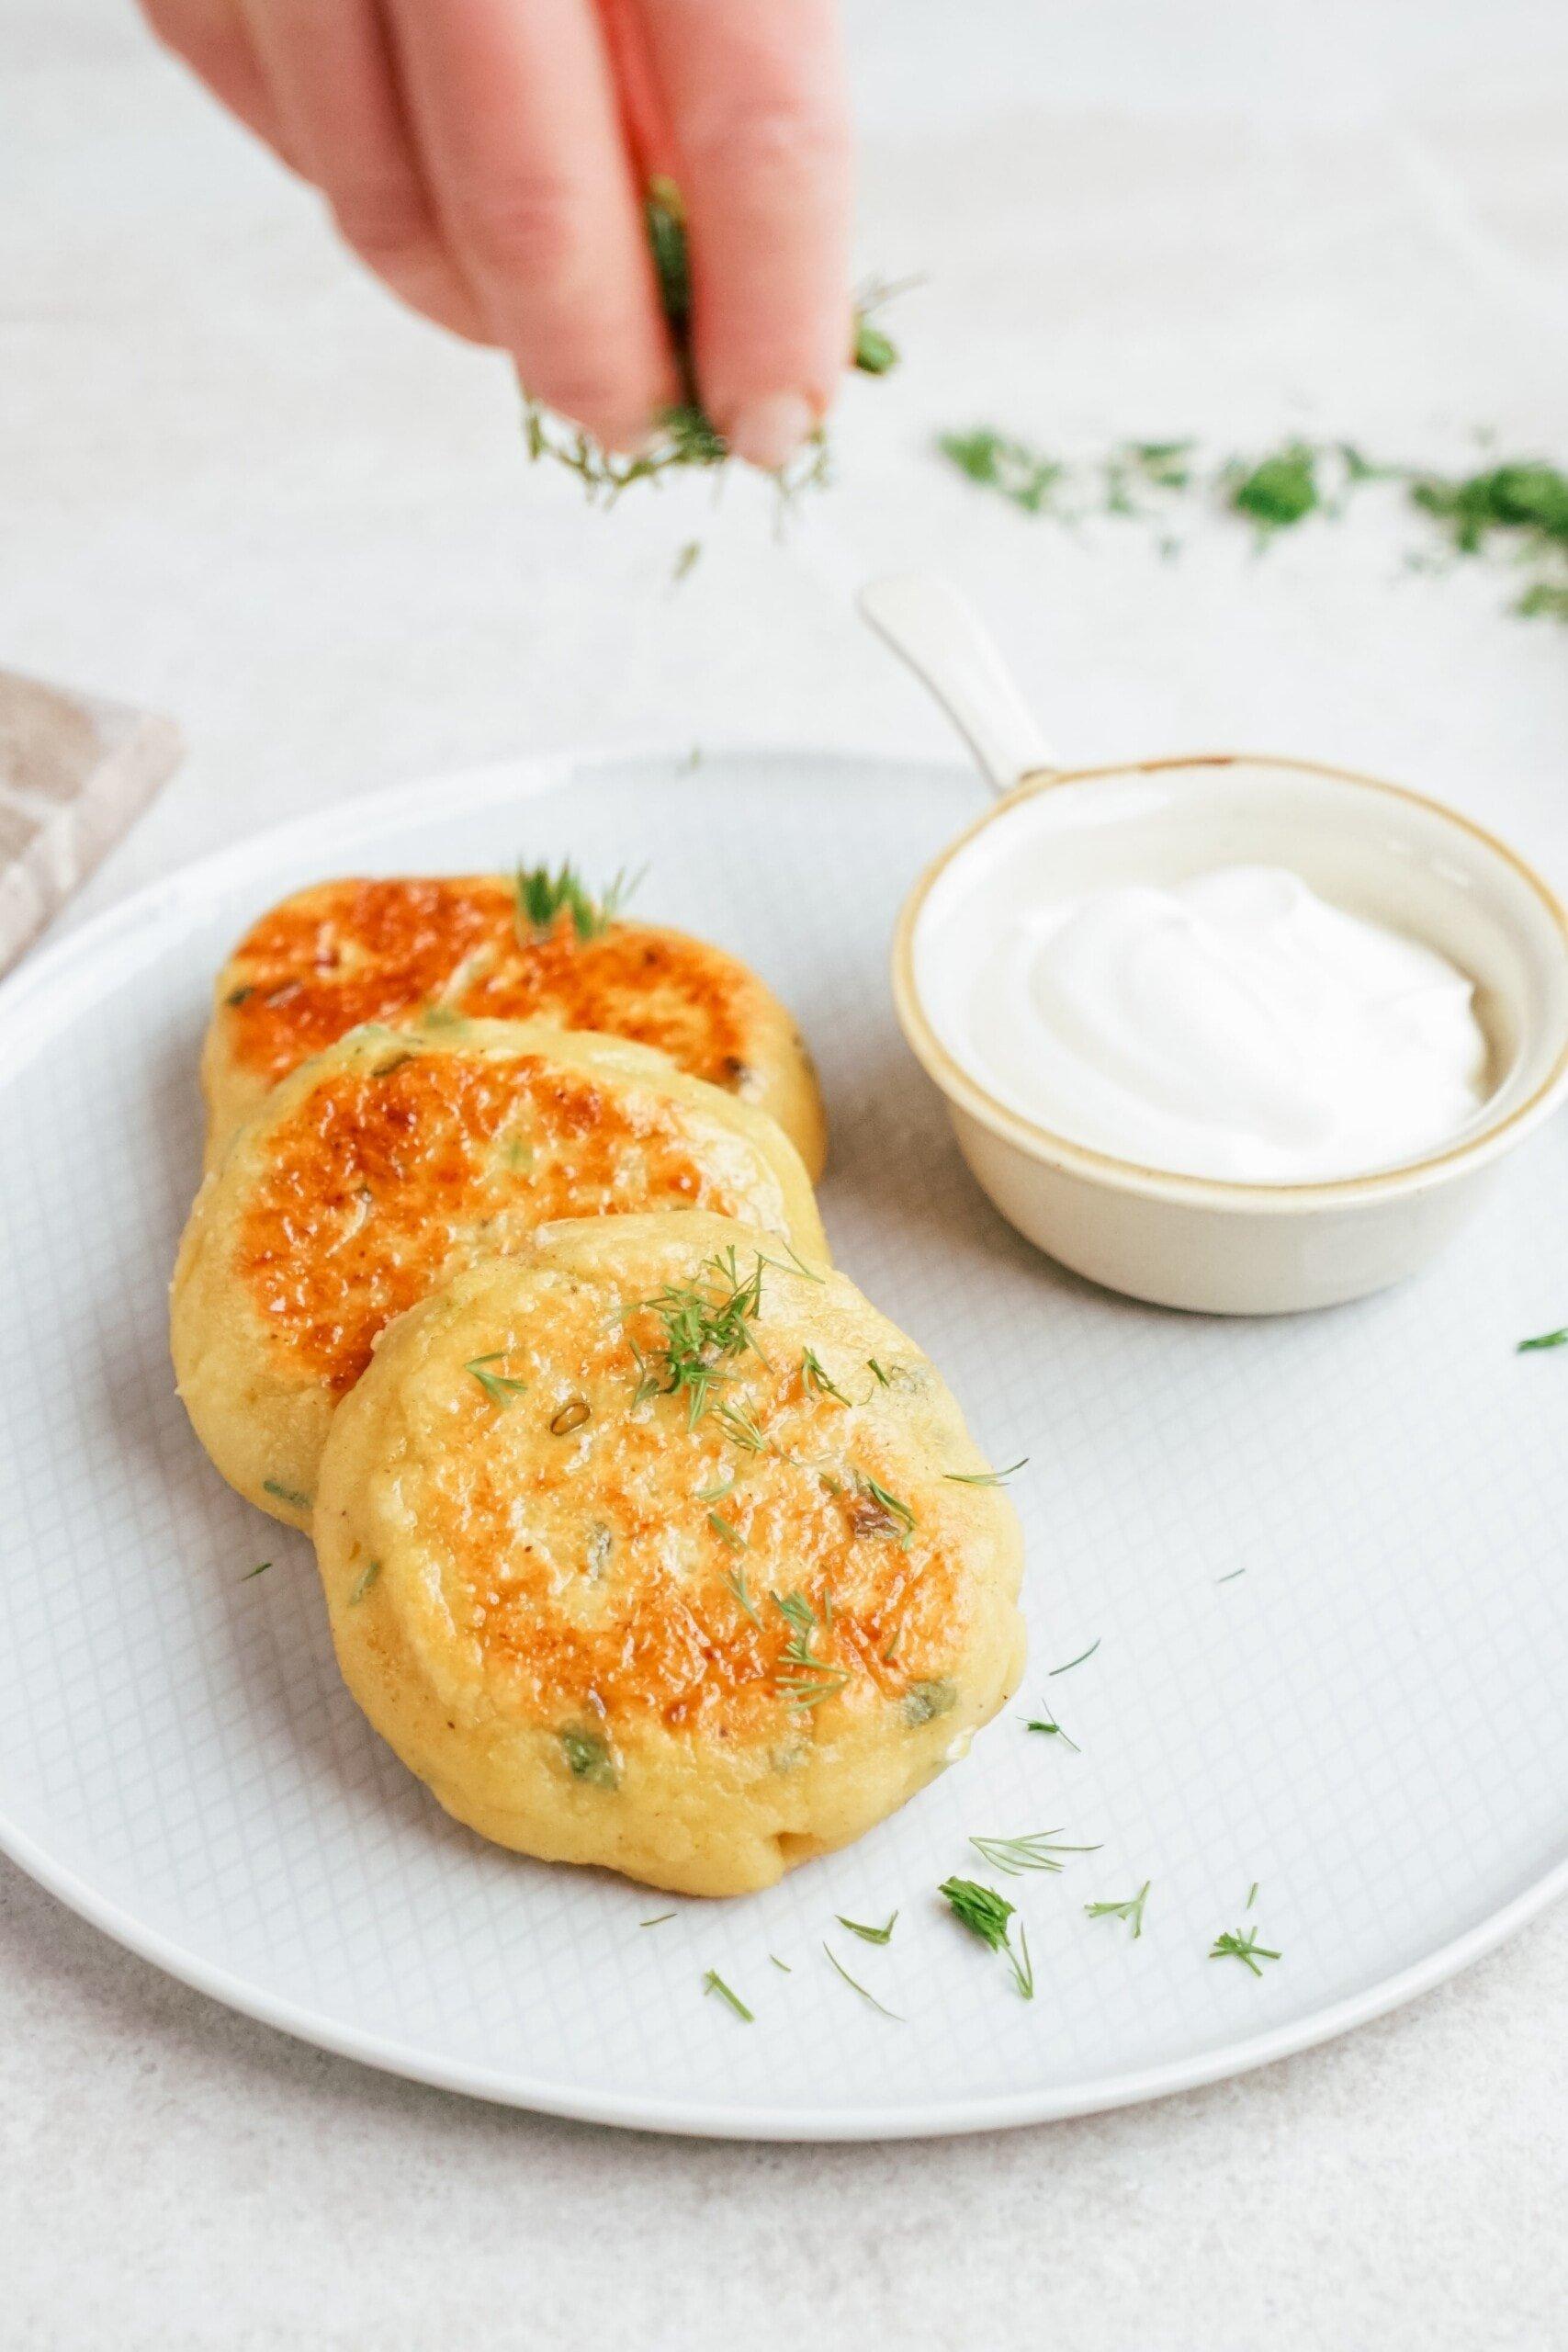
pixel 343 953
pixel 392 1160
pixel 702 1591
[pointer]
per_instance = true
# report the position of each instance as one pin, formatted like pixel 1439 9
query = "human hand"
pixel 487 159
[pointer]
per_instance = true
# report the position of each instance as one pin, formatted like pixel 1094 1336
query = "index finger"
pixel 758 107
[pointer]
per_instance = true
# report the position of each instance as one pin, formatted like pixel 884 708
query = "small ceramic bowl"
pixel 1382 853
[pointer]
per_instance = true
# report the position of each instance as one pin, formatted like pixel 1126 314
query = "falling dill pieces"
pixel 868 1935
pixel 1541 1341
pixel 987 1915
pixel 714 1983
pixel 1235 1945
pixel 1036 1852
pixel 856 1986
pixel 539 899
pixel 985 1477
pixel 686 438
pixel 502 1392
pixel 1131 1909
pixel 1082 1658
pixel 1515 512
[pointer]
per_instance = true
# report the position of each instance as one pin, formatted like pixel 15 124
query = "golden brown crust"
pixel 696 1651
pixel 392 1160
pixel 347 952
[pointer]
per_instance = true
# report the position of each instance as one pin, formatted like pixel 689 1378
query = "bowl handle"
pixel 924 618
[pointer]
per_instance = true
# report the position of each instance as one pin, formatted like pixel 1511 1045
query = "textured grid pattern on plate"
pixel 1368 1721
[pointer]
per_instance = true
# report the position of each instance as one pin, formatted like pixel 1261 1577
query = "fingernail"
pixel 769 431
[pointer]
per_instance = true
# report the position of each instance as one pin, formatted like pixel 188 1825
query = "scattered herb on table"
pixel 868 1935
pixel 1054 1730
pixel 714 1983
pixel 1131 1909
pixel 1082 1658
pixel 259 1570
pixel 781 1963
pixel 985 1477
pixel 1037 1852
pixel 1234 1945
pixel 856 1986
pixel 1543 1339
pixel 658 1921
pixel 985 1914
pixel 1232 1578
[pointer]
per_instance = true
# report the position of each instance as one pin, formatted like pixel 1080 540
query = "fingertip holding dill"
pixel 686 439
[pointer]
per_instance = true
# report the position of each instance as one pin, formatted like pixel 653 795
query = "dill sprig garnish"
pixel 868 1935
pixel 815 1378
pixel 985 1477
pixel 502 1392
pixel 1037 1852
pixel 1543 1339
pixel 1082 1658
pixel 875 1370
pixel 1235 1945
pixel 856 1986
pixel 1049 1725
pixel 259 1570
pixel 740 1427
pixel 714 1983
pixel 539 897
pixel 734 1583
pixel 879 1512
pixel 705 1327
pixel 726 1533
pixel 1132 1909
pixel 687 437
pixel 804 1678
pixel 985 1914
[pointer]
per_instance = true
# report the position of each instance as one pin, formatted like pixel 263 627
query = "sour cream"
pixel 1233 1025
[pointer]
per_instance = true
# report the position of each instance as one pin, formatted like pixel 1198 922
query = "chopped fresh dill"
pixel 259 1570
pixel 1234 1945
pixel 540 898
pixel 1012 468
pixel 1233 1576
pixel 985 1477
pixel 687 436
pixel 1049 1725
pixel 1252 1894
pixel 814 1378
pixel 781 1963
pixel 364 1582
pixel 658 1921
pixel 1036 1852
pixel 717 1492
pixel 1278 490
pixel 1132 1909
pixel 1543 1339
pixel 868 1935
pixel 726 1533
pixel 588 1756
pixel 985 1914
pixel 804 1678
pixel 740 1427
pixel 285 1494
pixel 686 561
pixel 500 1391
pixel 922 1702
pixel 875 1369
pixel 1082 1656
pixel 792 1262
pixel 706 1326
pixel 734 1583
pixel 714 1983
pixel 857 1988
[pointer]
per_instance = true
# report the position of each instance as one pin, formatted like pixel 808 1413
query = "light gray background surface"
pixel 236 483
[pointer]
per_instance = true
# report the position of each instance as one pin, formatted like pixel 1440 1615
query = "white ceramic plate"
pixel 1322 1561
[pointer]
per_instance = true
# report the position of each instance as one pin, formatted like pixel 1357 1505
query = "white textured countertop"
pixel 236 484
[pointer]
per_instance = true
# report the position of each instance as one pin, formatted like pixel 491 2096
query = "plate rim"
pixel 64 959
